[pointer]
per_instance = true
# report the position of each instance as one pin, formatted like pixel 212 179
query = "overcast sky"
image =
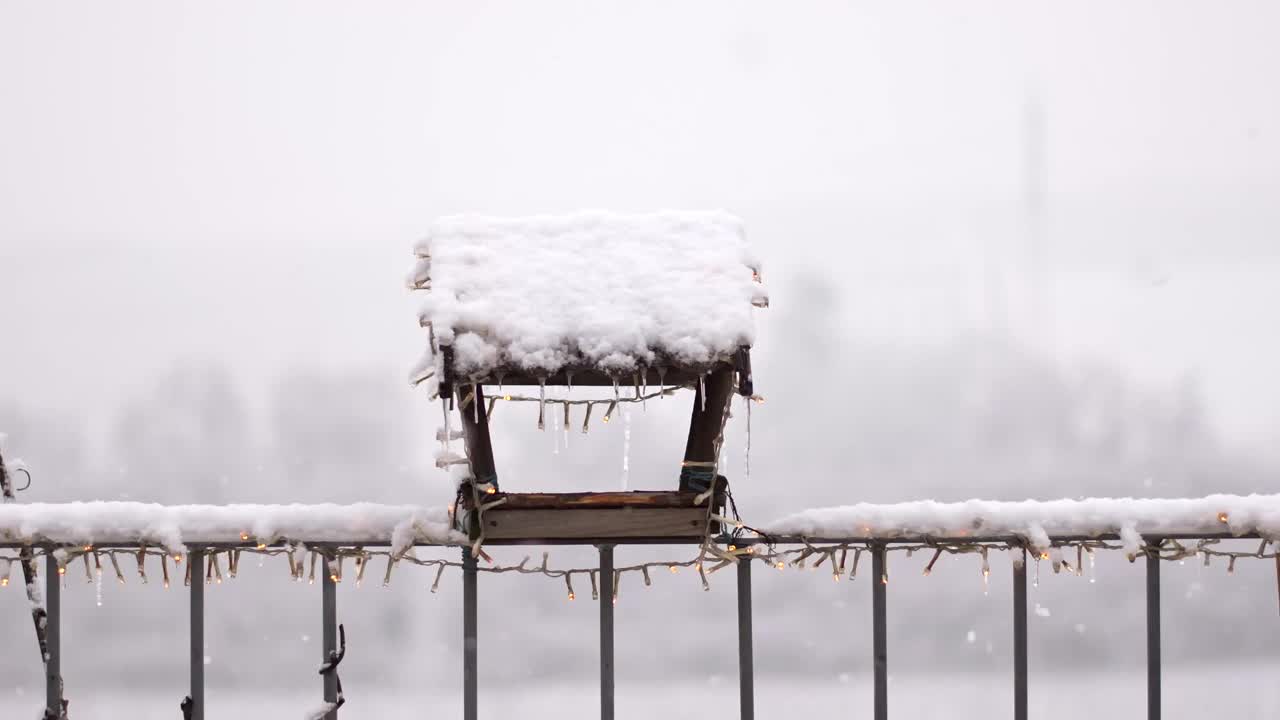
pixel 181 180
pixel 1087 191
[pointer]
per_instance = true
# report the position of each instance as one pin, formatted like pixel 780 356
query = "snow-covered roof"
pixel 172 526
pixel 1036 521
pixel 592 290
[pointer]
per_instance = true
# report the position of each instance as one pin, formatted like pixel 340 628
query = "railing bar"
pixel 1153 634
pixel 606 632
pixel 195 558
pixel 864 541
pixel 469 622
pixel 879 631
pixel 329 633
pixel 746 661
pixel 1020 635
pixel 53 624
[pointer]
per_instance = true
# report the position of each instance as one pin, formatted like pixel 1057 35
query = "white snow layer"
pixel 172 526
pixel 597 289
pixel 1037 521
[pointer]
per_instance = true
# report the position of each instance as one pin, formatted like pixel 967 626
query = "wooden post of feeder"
pixel 697 473
pixel 475 433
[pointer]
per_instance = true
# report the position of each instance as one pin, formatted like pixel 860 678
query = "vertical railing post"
pixel 1153 631
pixel 746 661
pixel 469 687
pixel 195 563
pixel 606 632
pixel 879 630
pixel 1020 634
pixel 329 632
pixel 53 623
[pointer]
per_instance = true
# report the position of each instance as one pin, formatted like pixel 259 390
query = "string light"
pixel 986 572
pixel 723 554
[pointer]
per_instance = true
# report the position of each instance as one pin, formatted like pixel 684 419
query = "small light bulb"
pixel 674 569
pixel 506 397
pixel 244 536
pixel 571 596
pixel 1222 517
pixel 780 565
pixel 491 490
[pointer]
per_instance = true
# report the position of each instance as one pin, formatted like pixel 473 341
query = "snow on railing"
pixel 176 526
pixel 1036 522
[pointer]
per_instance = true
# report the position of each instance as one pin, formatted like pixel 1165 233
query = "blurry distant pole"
pixel 469 669
pixel 606 632
pixel 1020 634
pixel 746 663
pixel 1153 631
pixel 195 565
pixel 1039 277
pixel 879 631
pixel 329 633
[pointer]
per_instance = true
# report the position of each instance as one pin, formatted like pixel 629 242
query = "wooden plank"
pixel 639 498
pixel 595 523
pixel 591 377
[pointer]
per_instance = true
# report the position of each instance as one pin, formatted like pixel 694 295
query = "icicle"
pixel 702 391
pixel 568 383
pixel 746 453
pixel 635 385
pixel 567 421
pixel 1093 575
pixel 444 406
pixel 586 419
pixel 97 581
pixel 662 381
pixel 555 434
pixel 626 449
pixel 644 387
pixel 1036 581
pixel 616 396
pixel 542 403
pixel 500 377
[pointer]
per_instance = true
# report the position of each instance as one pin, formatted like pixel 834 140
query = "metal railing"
pixel 877 547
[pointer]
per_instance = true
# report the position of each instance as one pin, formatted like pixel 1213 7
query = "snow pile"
pixel 587 290
pixel 97 523
pixel 1037 522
